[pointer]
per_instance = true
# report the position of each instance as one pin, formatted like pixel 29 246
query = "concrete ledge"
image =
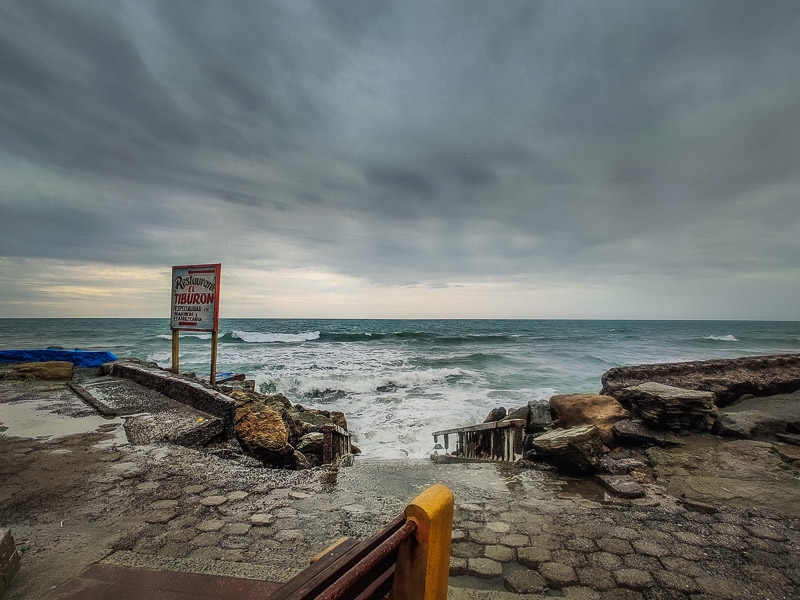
pixel 9 560
pixel 729 379
pixel 188 391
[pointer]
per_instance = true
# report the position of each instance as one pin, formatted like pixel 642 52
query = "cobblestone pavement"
pixel 517 533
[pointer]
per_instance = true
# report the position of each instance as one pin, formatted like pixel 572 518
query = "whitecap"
pixel 721 338
pixel 201 336
pixel 255 337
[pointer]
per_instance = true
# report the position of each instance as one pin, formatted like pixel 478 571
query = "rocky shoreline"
pixel 519 532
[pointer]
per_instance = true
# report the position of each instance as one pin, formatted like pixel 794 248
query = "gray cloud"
pixel 425 142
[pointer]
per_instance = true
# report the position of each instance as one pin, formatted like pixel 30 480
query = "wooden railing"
pixel 498 440
pixel 336 446
pixel 409 558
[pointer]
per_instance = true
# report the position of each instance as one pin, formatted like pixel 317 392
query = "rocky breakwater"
pixel 280 434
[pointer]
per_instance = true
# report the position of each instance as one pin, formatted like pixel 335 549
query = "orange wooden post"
pixel 423 561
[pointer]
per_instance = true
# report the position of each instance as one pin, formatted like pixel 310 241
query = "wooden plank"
pixel 485 426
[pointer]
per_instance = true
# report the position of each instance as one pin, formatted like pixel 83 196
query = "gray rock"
pixel 539 418
pixel 517 413
pixel 635 432
pixel 533 556
pixel 729 379
pixel 311 443
pixel 669 407
pixel 576 449
pixel 525 582
pixel 496 414
pixel 759 418
pixel 622 486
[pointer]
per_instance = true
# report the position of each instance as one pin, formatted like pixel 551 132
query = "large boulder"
pixel 729 379
pixel 756 418
pixel 52 369
pixel 573 410
pixel 496 414
pixel 262 433
pixel 576 449
pixel 539 417
pixel 668 407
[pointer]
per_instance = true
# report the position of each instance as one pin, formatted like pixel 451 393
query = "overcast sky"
pixel 615 159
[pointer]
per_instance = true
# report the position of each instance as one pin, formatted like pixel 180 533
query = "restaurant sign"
pixel 195 298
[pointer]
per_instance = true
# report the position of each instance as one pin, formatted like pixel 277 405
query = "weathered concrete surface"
pixel 78 499
pixel 758 418
pixel 729 379
pixel 177 387
pixel 740 473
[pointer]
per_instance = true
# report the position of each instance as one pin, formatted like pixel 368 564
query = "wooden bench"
pixel 408 559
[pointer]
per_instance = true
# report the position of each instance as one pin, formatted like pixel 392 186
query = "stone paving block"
pixel 458 566
pixel 238 495
pixel 206 539
pixel 161 516
pixel 625 533
pixel 499 553
pixel 682 566
pixel 458 535
pixel 596 577
pixel 466 550
pixel 163 504
pixel 580 544
pixel 676 581
pixel 498 527
pixel 180 534
pixel 472 524
pixel 194 489
pixel 635 579
pixel 557 574
pixel 767 575
pixel 210 525
pixel 579 592
pixel 285 535
pixel 484 536
pixel 174 549
pixel 615 546
pixel 719 587
pixel 236 529
pixel 525 582
pixel 262 519
pixel 484 568
pixel 213 500
pixel 533 556
pixel 547 542
pixel 568 557
pixel 605 560
pixel 516 540
pixel 650 548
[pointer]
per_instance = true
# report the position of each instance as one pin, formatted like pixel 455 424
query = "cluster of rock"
pixel 581 432
pixel 278 433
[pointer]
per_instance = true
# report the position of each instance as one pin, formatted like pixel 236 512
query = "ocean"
pixel 399 380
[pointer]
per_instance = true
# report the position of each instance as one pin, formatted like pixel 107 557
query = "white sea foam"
pixel 721 338
pixel 255 337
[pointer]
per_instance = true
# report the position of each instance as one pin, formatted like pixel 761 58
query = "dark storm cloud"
pixel 408 141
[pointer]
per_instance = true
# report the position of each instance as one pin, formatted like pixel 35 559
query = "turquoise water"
pixel 399 380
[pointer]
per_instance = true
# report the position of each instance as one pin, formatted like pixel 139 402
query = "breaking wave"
pixel 721 338
pixel 202 336
pixel 255 337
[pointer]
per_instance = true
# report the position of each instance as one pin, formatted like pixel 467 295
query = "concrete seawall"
pixel 177 387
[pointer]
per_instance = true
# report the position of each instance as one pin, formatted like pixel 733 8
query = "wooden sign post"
pixel 195 307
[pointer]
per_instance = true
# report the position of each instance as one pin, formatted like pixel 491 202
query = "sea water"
pixel 399 380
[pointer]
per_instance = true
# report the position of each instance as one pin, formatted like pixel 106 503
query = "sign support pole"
pixel 176 343
pixel 213 378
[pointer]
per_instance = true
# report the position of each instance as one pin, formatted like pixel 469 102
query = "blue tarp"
pixel 79 358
